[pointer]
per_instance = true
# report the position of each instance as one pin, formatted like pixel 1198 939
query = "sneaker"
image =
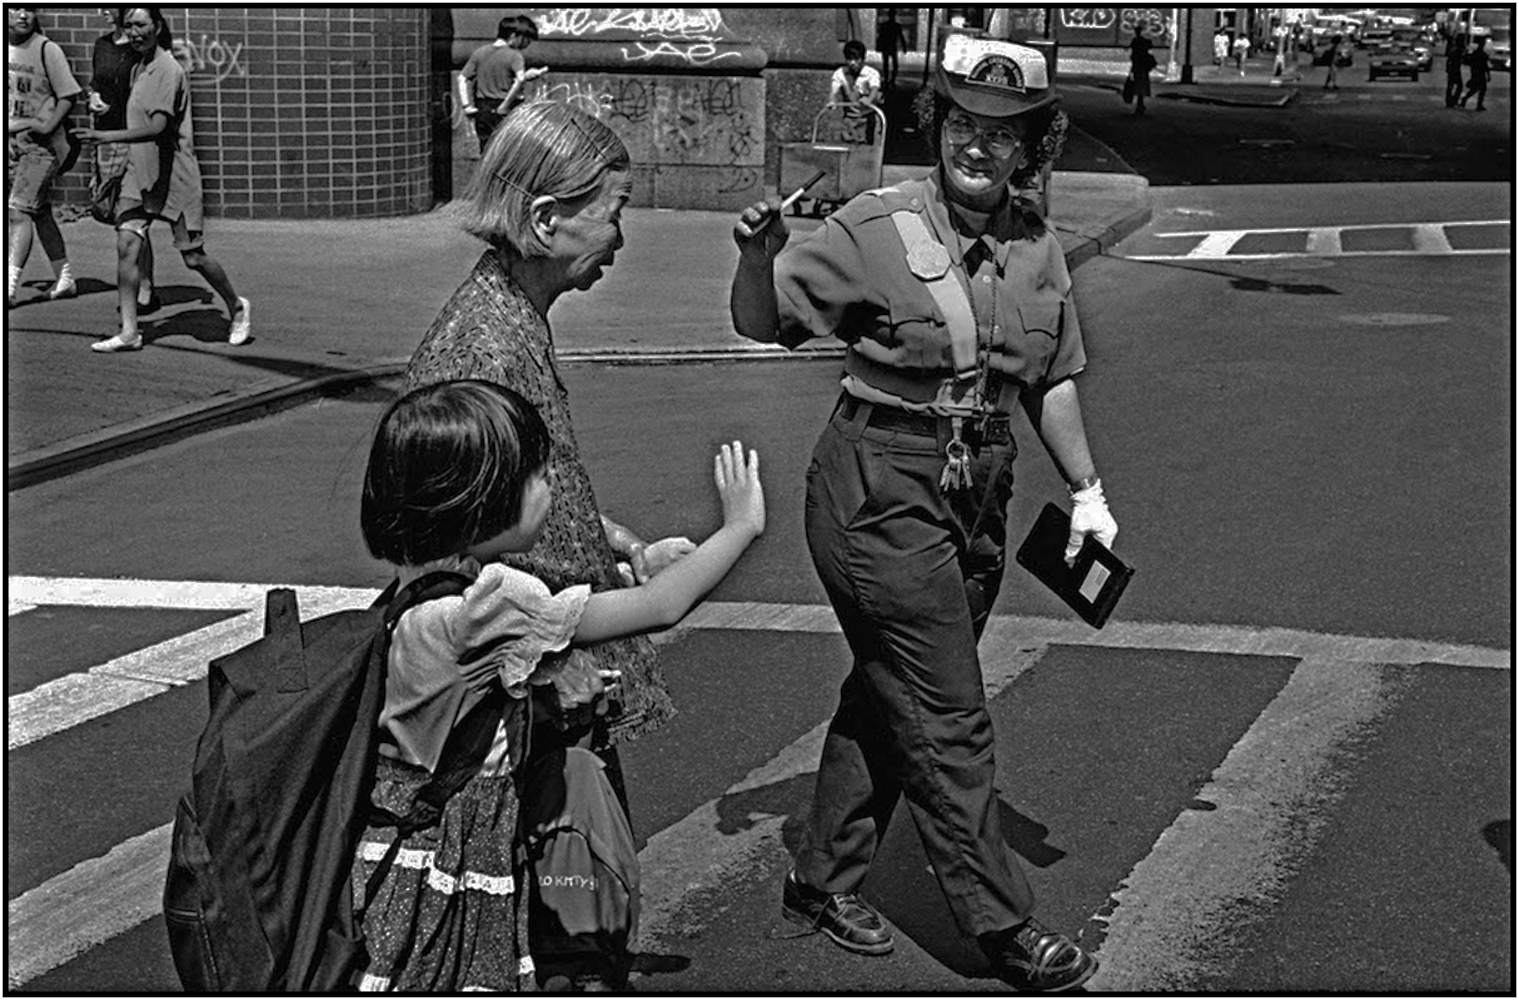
pixel 63 288
pixel 852 923
pixel 1035 959
pixel 242 324
pixel 117 343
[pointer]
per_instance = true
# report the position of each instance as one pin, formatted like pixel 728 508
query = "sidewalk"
pixel 337 304
pixel 1224 85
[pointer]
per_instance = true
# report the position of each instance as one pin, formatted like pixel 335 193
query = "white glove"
pixel 1089 516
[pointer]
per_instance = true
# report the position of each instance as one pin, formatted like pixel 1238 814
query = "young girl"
pixel 456 478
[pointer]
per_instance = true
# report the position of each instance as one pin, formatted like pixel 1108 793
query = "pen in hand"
pixel 791 198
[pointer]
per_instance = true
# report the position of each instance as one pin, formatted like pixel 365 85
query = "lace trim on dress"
pixel 441 882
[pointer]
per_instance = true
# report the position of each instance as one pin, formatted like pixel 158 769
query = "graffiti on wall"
pixel 691 23
pixel 1108 25
pixel 688 34
pixel 1153 19
pixel 700 120
pixel 213 54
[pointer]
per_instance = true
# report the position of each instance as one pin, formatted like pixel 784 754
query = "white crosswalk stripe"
pixel 1341 683
pixel 1425 239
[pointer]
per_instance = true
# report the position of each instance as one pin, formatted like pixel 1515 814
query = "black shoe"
pixel 1035 959
pixel 852 923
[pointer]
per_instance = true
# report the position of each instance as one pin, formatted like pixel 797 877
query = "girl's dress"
pixel 450 914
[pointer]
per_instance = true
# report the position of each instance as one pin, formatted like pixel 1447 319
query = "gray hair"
pixel 541 148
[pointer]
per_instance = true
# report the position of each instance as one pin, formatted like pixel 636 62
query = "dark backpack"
pixel 258 894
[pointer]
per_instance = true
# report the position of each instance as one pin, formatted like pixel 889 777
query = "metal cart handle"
pixel 835 106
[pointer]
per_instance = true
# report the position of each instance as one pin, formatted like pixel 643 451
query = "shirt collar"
pixel 1002 227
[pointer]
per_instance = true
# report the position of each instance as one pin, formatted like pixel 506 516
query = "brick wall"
pixel 299 112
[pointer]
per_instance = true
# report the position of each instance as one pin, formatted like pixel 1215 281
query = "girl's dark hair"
pixel 447 470
pixel 1043 132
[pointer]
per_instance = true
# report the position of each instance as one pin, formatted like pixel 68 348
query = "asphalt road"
pixel 1387 131
pixel 1290 747
pixel 1285 766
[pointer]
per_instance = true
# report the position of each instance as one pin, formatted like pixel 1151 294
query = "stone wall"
pixel 683 90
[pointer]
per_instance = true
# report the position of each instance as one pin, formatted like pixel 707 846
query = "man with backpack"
pixel 39 94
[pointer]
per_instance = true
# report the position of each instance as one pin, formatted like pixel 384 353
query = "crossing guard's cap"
pixel 993 78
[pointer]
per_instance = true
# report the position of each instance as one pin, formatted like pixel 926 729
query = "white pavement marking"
pixel 1217 244
pixel 701 856
pixel 1432 240
pixel 1214 871
pixel 1324 243
pixel 86 906
pixel 1343 229
pixel 76 698
pixel 696 856
pixel 1425 239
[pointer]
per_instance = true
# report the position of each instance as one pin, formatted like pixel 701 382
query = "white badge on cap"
pixel 995 64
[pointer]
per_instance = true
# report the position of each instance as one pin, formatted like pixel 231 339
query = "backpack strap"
pixel 282 630
pixel 470 740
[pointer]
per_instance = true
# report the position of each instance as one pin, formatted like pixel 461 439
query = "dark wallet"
pixel 1092 585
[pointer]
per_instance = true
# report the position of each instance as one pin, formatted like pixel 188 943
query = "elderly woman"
pixel 547 197
pixel 955 302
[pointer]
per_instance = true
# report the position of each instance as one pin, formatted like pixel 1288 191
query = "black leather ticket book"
pixel 1092 585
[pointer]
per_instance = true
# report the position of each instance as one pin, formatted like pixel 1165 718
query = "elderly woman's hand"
pixel 760 231
pixel 578 687
pixel 651 560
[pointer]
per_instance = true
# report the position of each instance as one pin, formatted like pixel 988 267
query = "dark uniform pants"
pixel 912 575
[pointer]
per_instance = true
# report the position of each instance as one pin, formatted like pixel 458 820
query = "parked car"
pixel 1500 48
pixel 1399 61
pixel 1417 42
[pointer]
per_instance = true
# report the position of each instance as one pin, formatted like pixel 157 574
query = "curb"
pixel 86 451
pixel 1289 94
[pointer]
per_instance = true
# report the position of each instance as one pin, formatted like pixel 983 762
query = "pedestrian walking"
pixel 1220 48
pixel 39 93
pixel 548 199
pixel 162 179
pixel 858 88
pixel 1481 72
pixel 457 479
pixel 956 305
pixel 1141 62
pixel 1241 51
pixel 1337 55
pixel 1455 55
pixel 494 75
pixel 112 65
pixel 888 44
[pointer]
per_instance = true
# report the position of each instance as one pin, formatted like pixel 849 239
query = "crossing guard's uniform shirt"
pixel 851 279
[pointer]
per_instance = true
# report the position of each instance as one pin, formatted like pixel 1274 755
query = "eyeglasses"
pixel 996 140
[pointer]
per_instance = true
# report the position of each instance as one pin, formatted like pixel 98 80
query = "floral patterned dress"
pixel 448 913
pixel 489 330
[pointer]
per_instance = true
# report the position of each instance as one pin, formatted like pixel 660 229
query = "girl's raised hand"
pixel 738 485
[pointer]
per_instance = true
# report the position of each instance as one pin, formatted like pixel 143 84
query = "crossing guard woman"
pixel 954 299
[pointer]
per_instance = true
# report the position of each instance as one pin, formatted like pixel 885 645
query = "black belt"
pixel 992 428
